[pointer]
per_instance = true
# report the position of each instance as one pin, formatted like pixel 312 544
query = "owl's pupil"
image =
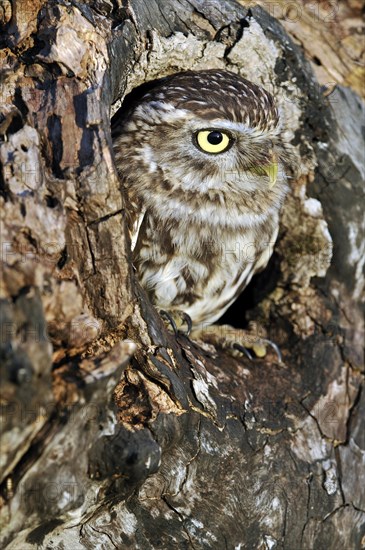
pixel 214 138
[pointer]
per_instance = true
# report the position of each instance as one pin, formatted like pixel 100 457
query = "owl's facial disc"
pixel 212 141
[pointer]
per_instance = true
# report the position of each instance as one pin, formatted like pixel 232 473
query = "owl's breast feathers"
pixel 200 270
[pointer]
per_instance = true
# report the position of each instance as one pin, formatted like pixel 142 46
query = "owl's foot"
pixel 236 341
pixel 263 345
pixel 177 320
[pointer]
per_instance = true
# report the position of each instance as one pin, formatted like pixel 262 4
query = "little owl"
pixel 200 157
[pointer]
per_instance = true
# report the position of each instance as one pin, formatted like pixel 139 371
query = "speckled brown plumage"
pixel 201 223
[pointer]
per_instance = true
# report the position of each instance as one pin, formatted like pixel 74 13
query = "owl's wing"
pixel 135 214
pixel 135 226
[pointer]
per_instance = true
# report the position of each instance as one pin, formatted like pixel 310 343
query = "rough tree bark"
pixel 115 433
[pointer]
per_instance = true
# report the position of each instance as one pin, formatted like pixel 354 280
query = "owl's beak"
pixel 271 170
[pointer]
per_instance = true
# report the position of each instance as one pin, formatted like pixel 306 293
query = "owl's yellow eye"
pixel 213 141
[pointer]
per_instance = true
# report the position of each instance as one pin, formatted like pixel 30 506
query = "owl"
pixel 201 160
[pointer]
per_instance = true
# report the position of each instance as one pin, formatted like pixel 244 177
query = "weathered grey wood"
pixel 193 448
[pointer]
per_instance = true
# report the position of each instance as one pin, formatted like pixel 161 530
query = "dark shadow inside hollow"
pixel 260 286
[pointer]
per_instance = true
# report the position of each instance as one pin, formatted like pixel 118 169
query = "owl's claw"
pixel 275 347
pixel 166 315
pixel 248 342
pixel 189 323
pixel 176 319
pixel 244 350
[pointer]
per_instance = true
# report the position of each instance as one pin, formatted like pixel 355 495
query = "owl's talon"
pixel 275 347
pixel 259 349
pixel 174 317
pixel 243 350
pixel 189 323
pixel 166 315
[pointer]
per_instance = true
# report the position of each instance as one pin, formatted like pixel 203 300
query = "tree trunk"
pixel 116 433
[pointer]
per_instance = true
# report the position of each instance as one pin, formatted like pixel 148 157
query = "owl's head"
pixel 200 132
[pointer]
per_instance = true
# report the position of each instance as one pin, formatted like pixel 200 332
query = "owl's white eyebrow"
pixel 162 111
pixel 238 127
pixel 167 112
